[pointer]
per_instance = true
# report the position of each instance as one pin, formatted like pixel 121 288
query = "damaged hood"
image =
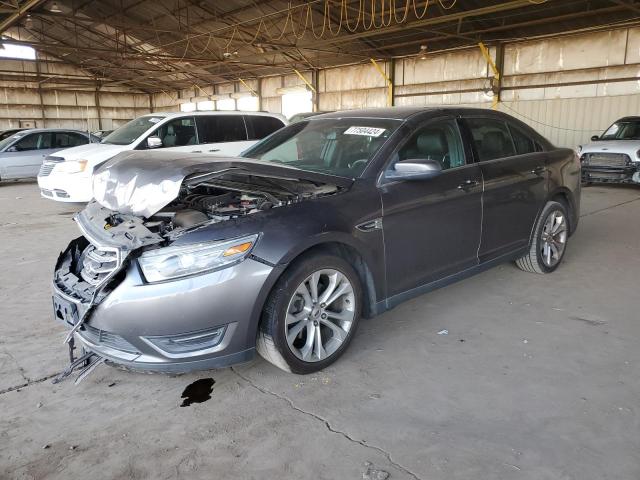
pixel 142 183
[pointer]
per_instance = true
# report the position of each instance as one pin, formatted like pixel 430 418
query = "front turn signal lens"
pixel 236 249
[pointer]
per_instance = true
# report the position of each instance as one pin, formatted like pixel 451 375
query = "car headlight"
pixel 71 166
pixel 181 261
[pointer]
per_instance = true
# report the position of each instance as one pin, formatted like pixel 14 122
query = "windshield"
pixel 8 141
pixel 626 130
pixel 131 131
pixel 340 147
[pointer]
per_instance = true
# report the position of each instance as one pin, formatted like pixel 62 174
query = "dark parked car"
pixel 190 262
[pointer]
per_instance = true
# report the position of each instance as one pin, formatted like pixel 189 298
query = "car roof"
pixel 39 130
pixel 212 112
pixel 629 119
pixel 404 113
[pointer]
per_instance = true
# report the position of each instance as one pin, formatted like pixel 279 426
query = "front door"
pixel 432 227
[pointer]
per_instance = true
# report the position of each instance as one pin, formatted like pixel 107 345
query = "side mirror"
pixel 12 149
pixel 414 169
pixel 595 138
pixel 154 142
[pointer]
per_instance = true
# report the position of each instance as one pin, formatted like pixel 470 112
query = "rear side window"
pixel 221 128
pixel 69 139
pixel 491 138
pixel 260 127
pixel 523 143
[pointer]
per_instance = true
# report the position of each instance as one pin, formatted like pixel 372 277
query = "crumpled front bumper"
pixel 120 326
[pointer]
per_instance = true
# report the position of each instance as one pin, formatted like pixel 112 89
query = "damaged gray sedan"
pixel 192 262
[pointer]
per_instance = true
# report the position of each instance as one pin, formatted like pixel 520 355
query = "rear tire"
pixel 311 314
pixel 549 241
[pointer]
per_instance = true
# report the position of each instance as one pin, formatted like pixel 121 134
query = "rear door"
pixel 222 134
pixel 515 183
pixel 432 227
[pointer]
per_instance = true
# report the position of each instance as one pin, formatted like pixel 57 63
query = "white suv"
pixel 66 176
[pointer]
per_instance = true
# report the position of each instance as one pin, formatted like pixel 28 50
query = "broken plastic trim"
pixel 84 363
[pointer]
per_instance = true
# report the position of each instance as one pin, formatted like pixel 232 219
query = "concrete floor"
pixel 538 378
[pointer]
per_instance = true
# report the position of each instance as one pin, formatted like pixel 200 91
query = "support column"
pixel 39 78
pixel 496 80
pixel 387 80
pixel 97 102
pixel 315 79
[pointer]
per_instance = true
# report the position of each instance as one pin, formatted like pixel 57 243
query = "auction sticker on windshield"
pixel 366 131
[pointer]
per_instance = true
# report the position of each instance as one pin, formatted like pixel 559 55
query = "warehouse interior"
pixel 501 376
pixel 100 64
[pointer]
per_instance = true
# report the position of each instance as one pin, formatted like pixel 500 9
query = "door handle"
pixel 539 170
pixel 468 184
pixel 214 150
pixel 196 151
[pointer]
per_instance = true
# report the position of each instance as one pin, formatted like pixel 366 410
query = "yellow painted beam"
pixel 496 73
pixel 253 92
pixel 18 13
pixel 387 79
pixel 305 81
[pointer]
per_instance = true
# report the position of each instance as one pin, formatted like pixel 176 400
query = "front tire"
pixel 549 240
pixel 311 315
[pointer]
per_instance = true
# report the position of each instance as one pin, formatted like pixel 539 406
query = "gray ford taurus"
pixel 192 262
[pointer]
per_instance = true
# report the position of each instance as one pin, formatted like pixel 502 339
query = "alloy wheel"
pixel 554 238
pixel 320 315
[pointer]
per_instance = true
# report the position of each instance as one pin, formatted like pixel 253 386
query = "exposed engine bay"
pixel 204 201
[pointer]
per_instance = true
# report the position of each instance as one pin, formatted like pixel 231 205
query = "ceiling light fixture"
pixel 423 52
pixel 28 22
pixel 55 8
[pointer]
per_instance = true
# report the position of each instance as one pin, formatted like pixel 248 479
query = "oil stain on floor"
pixel 198 392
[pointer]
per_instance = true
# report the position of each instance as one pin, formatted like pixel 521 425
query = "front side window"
pixel 131 131
pixel 624 130
pixel 261 127
pixel 221 128
pixel 35 141
pixel 491 138
pixel 178 132
pixel 340 147
pixel 439 141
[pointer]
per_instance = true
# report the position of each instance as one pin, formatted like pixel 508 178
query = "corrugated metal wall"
pixel 52 102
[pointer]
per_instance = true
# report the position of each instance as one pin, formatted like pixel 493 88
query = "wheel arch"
pixel 565 196
pixel 355 258
pixel 345 248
